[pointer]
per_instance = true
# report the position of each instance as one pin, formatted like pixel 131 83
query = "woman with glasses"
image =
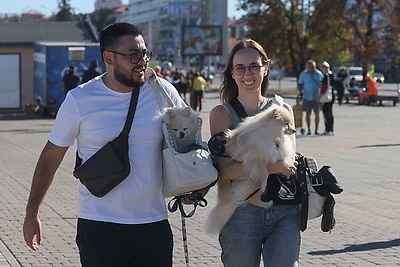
pixel 253 231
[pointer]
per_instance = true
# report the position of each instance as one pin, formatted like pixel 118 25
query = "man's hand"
pixel 202 192
pixel 32 232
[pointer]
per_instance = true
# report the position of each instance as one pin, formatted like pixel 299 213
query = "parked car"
pixel 357 73
pixel 379 77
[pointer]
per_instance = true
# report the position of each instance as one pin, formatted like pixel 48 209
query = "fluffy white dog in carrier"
pixel 182 123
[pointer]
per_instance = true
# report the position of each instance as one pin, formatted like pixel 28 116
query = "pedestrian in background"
pixel 309 85
pixel 371 90
pixel 199 87
pixel 157 69
pixel 340 82
pixel 91 72
pixel 179 81
pixel 70 80
pixel 327 106
pixel 128 226
pixel 189 80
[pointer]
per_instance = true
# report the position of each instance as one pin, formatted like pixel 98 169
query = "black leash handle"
pixel 176 203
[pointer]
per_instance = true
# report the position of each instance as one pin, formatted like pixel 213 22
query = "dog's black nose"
pixel 182 135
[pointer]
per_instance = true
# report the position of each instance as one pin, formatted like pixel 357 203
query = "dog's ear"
pixel 168 115
pixel 186 111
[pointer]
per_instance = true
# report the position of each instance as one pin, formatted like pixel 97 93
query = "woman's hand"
pixel 285 167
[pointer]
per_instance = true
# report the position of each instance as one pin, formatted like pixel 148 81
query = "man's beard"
pixel 126 80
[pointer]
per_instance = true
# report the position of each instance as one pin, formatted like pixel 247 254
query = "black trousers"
pixel 328 116
pixel 198 96
pixel 103 244
pixel 340 93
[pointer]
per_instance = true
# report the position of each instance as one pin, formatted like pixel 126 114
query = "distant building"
pixel 7 17
pixel 107 4
pixel 161 22
pixel 237 28
pixel 33 15
pixel 17 41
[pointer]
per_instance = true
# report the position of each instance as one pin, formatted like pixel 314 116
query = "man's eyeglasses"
pixel 240 70
pixel 135 57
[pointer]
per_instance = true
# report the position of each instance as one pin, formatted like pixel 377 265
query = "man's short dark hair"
pixel 110 36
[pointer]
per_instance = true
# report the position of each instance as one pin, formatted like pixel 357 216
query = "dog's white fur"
pixel 257 141
pixel 182 123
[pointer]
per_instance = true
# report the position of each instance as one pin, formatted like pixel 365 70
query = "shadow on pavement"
pixel 361 247
pixel 377 145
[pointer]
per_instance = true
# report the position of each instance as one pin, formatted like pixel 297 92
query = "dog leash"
pixel 197 200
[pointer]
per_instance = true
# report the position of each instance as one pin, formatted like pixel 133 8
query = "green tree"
pixel 368 20
pixel 292 31
pixel 65 12
pixel 340 31
pixel 102 18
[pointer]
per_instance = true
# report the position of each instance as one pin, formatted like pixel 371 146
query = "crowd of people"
pixel 191 83
pixel 71 79
pixel 313 83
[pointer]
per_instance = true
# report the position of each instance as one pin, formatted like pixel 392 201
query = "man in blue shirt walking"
pixel 309 85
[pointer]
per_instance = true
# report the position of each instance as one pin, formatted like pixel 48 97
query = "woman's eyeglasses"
pixel 135 57
pixel 240 70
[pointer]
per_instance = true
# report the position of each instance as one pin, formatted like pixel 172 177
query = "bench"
pixel 383 95
pixel 380 98
pixel 351 93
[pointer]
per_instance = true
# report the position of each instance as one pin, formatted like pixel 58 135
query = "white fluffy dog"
pixel 257 141
pixel 182 123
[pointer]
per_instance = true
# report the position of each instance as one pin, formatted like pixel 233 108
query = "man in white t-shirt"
pixel 128 226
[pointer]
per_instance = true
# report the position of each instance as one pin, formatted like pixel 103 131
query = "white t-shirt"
pixel 93 114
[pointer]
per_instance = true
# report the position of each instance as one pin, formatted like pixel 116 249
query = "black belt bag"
pixel 110 165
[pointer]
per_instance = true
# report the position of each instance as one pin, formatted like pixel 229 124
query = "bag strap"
pixel 238 108
pixel 301 176
pixel 131 112
pixel 159 90
pixel 128 122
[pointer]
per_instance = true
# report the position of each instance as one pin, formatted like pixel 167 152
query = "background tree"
pixel 102 18
pixel 343 32
pixel 367 20
pixel 65 12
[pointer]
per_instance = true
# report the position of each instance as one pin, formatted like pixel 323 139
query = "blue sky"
pixel 49 7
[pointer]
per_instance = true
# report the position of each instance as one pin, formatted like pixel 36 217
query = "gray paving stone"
pixel 364 154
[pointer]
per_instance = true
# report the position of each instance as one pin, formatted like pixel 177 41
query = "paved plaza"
pixel 364 154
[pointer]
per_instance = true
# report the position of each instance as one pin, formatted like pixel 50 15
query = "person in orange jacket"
pixel 365 94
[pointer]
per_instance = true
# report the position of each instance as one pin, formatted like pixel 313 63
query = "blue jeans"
pixel 253 231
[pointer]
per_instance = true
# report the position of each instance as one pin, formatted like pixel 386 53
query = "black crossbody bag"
pixel 110 165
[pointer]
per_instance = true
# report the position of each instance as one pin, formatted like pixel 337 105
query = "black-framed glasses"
pixel 135 57
pixel 240 70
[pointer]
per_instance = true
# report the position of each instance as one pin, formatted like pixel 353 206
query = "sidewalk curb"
pixel 8 256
